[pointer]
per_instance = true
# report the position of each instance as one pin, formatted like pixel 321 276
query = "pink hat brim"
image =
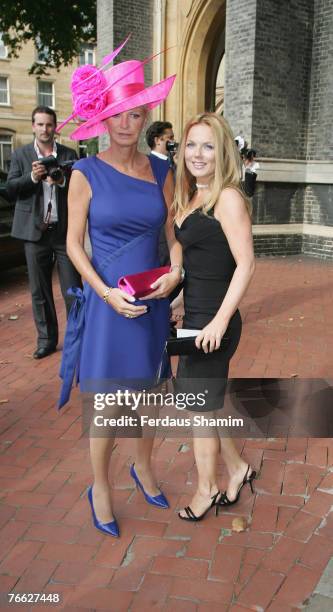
pixel 151 96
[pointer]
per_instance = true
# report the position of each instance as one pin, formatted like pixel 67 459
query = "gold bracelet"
pixel 106 294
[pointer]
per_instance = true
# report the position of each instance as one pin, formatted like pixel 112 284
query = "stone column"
pixel 320 133
pixel 281 84
pixel 239 68
pixel 115 20
pixel 105 43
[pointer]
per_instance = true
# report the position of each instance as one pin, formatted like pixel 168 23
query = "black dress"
pixel 209 266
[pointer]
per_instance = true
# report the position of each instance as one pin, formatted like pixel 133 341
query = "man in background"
pixel 158 135
pixel 40 220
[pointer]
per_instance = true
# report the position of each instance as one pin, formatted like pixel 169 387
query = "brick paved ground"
pixel 47 541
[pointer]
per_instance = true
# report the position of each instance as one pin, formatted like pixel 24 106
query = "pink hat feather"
pixel 99 93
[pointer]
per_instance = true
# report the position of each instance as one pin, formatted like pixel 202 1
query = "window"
pixel 88 147
pixel 45 93
pixel 82 149
pixel 4 90
pixel 87 55
pixel 6 148
pixel 43 55
pixel 3 49
pixel 42 52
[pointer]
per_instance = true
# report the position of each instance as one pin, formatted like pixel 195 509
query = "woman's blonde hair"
pixel 227 165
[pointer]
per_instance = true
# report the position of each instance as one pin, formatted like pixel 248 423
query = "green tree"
pixel 57 27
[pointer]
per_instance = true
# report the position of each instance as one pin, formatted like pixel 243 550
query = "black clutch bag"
pixel 186 346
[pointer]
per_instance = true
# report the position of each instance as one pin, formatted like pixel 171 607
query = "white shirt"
pixel 253 167
pixel 160 155
pixel 49 194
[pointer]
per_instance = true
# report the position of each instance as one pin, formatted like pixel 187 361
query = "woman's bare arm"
pixel 235 220
pixel 79 195
pixel 233 215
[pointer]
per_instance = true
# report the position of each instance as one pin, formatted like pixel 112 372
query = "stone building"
pixel 278 86
pixel 20 93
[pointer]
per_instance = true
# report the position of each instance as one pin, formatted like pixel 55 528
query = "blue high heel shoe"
pixel 109 528
pixel 159 500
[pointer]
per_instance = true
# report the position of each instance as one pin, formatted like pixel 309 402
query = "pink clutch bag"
pixel 139 284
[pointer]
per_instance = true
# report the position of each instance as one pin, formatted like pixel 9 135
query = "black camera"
pixel 172 146
pixel 54 169
pixel 248 153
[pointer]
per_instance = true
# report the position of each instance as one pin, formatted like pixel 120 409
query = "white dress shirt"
pixel 49 194
pixel 160 155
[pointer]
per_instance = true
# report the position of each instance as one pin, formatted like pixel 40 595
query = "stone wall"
pixel 320 133
pixel 278 203
pixel 318 205
pixel 136 17
pixel 239 68
pixel 278 91
pixel 115 20
pixel 283 44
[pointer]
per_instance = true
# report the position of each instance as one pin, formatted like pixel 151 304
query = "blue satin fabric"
pixel 101 346
pixel 72 345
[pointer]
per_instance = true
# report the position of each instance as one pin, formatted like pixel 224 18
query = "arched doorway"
pixel 200 61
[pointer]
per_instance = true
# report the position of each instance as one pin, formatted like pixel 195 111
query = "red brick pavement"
pixel 47 541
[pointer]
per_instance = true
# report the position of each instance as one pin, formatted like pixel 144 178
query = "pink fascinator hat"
pixel 99 93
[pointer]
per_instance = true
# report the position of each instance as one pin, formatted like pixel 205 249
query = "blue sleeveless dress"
pixel 125 218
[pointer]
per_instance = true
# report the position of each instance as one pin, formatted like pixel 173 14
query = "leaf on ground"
pixel 239 524
pixel 13 317
pixel 4 401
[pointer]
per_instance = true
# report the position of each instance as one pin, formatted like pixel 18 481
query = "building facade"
pixel 268 66
pixel 20 93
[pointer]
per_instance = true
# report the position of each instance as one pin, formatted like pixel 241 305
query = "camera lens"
pixel 55 173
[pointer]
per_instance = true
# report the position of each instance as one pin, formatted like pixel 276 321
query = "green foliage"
pixel 57 28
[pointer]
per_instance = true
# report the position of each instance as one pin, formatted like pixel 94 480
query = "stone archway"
pixel 202 51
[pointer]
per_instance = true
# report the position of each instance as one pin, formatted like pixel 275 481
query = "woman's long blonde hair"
pixel 227 165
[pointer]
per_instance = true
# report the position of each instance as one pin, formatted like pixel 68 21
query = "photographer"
pixel 250 169
pixel 38 181
pixel 160 139
pixel 250 166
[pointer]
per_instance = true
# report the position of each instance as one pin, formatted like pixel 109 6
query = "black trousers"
pixel 41 257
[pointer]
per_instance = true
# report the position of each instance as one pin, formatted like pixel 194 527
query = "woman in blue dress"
pixel 125 196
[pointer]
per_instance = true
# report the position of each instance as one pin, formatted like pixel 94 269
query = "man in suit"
pixel 157 136
pixel 40 219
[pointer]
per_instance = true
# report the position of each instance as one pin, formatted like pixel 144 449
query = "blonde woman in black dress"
pixel 212 222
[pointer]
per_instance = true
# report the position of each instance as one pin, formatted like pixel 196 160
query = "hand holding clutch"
pixel 139 285
pixel 187 346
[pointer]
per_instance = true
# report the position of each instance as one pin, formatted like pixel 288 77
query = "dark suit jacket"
pixel 29 211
